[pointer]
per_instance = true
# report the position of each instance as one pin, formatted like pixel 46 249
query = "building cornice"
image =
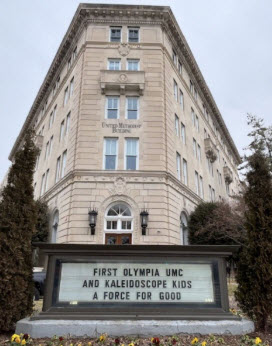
pixel 133 15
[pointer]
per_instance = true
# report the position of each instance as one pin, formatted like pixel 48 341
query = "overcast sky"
pixel 231 41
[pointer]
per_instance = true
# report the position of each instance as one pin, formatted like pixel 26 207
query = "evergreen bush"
pixel 17 224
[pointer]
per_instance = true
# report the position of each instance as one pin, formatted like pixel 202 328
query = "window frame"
pixel 133 28
pixel 118 219
pixel 104 153
pixel 138 107
pixel 136 139
pixel 118 106
pixel 114 60
pixel 112 28
pixel 133 60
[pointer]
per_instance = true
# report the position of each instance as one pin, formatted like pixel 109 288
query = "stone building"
pixel 125 123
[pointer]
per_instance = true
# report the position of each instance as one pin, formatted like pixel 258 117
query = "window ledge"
pixel 122 81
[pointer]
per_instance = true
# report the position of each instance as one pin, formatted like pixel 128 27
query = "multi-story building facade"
pixel 125 122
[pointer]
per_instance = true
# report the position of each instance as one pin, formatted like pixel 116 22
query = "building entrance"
pixel 118 239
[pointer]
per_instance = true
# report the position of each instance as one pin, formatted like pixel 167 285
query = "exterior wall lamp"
pixel 92 220
pixel 144 221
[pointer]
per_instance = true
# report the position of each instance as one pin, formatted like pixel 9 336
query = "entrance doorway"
pixel 118 239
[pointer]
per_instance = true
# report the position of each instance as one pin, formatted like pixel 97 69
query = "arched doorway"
pixel 118 224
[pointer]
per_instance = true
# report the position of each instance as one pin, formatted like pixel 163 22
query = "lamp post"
pixel 92 220
pixel 144 221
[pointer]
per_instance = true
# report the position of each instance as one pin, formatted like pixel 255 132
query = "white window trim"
pixel 106 106
pixel 138 60
pixel 114 59
pixel 138 107
pixel 178 164
pixel 133 27
pixel 137 151
pixel 114 218
pixel 116 27
pixel 104 153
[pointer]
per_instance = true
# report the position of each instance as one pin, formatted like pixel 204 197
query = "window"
pixel 112 107
pixel 193 116
pixel 183 133
pixel 133 64
pixel 43 184
pixel 58 82
pixel 198 153
pixel 74 53
pixel 54 90
pixel 179 66
pixel 63 166
pixel 115 34
pixel 185 173
pixel 196 183
pixel 184 238
pixel 176 125
pixel 174 57
pixel 193 90
pixel 132 108
pixel 46 180
pixel 210 192
pixel 58 169
pixel 65 96
pixel 210 166
pixel 175 90
pixel 213 195
pixel 69 63
pixel 196 123
pixel 51 119
pixel 46 150
pixel 71 87
pixel 61 130
pixel 194 148
pixel 201 191
pixel 178 166
pixel 67 123
pixel 133 34
pixel 119 218
pixel 110 153
pixel 50 146
pixel 131 161
pixel 55 227
pixel 114 64
pixel 37 161
pixel 181 99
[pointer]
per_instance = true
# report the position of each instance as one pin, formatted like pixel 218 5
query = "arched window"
pixel 55 225
pixel 184 237
pixel 119 218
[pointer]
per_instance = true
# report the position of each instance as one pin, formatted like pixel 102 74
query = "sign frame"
pixel 77 253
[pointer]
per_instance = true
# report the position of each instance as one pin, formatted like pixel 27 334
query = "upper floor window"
pixel 133 65
pixel 71 87
pixel 183 133
pixel 61 130
pixel 66 95
pixel 175 90
pixel 114 64
pixel 193 90
pixel 132 108
pixel 115 34
pixel 179 66
pixel 133 34
pixel 110 153
pixel 69 63
pixel 174 57
pixel 132 153
pixel 177 125
pixel 63 164
pixel 68 117
pixel 178 159
pixel 57 178
pixel 181 100
pixel 112 111
pixel 74 53
pixel 185 172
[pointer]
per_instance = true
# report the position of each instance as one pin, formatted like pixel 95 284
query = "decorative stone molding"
pixel 228 174
pixel 124 49
pixel 120 186
pixel 38 141
pixel 122 81
pixel 210 149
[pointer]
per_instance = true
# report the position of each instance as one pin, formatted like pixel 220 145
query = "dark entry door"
pixel 118 239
